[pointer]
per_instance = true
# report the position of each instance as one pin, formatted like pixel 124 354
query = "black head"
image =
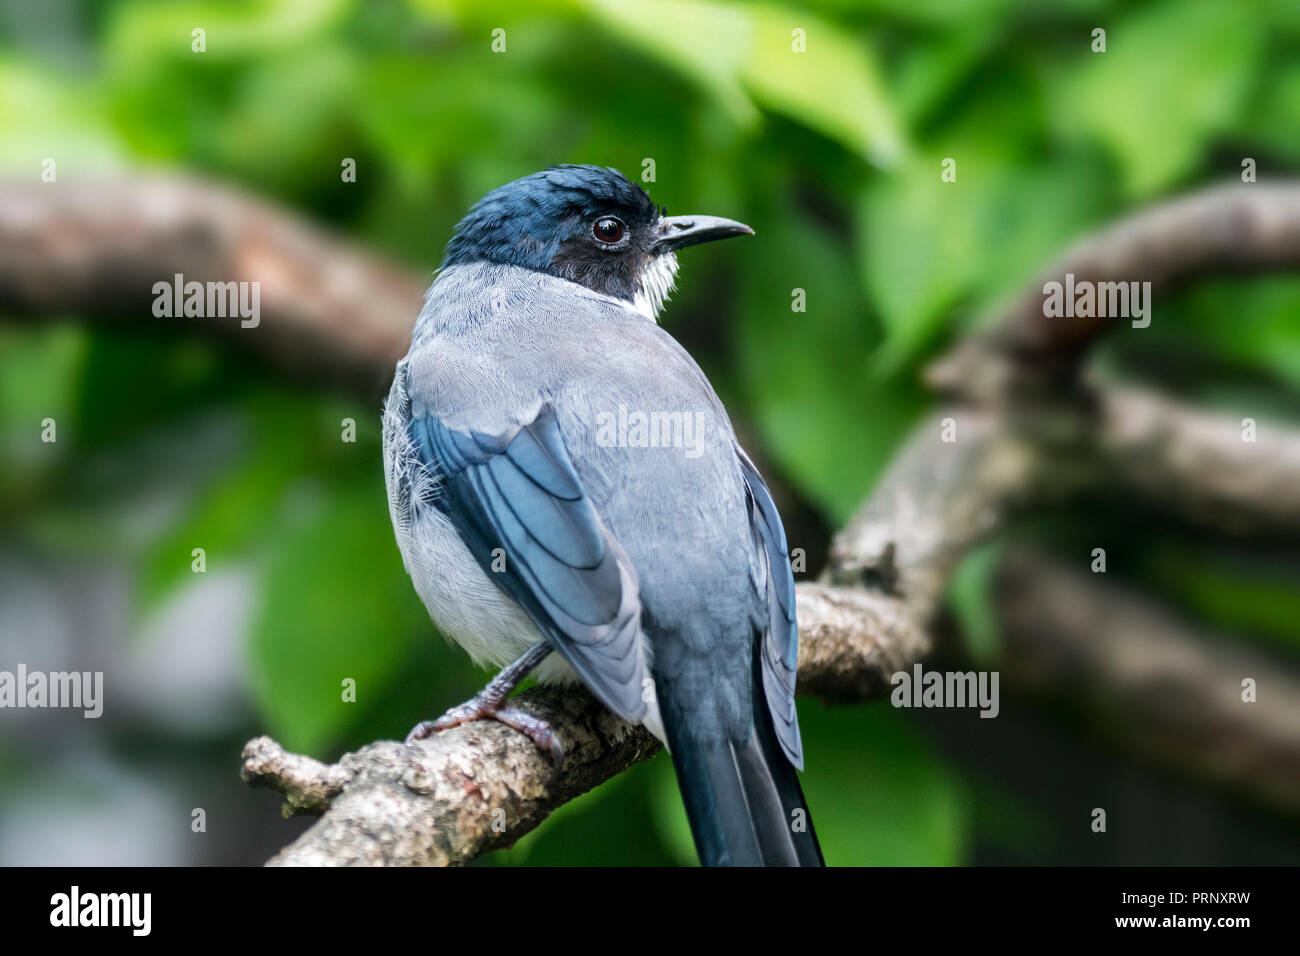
pixel 587 224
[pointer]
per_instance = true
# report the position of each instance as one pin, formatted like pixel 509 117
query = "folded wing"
pixel 780 649
pixel 519 506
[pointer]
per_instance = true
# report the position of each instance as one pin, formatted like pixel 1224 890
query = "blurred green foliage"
pixel 832 154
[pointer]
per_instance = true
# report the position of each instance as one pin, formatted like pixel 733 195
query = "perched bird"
pixel 569 498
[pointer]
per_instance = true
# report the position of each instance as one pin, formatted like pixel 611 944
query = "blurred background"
pixel 170 438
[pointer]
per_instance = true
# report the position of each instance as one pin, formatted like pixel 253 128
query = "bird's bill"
pixel 677 232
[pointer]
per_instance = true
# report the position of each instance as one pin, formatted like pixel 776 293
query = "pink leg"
pixel 490 703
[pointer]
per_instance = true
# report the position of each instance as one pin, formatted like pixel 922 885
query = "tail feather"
pixel 772 784
pixel 743 800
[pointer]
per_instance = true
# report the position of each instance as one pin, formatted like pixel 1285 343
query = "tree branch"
pixel 330 311
pixel 1198 465
pixel 449 798
pixel 1237 228
pixel 481 785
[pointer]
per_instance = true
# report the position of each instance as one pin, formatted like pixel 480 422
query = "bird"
pixel 571 501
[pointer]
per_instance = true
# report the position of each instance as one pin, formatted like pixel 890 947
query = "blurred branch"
pixel 1232 229
pixel 936 499
pixel 1150 682
pixel 330 311
pixel 1196 464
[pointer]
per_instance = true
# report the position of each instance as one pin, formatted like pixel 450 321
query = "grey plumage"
pixel 494 344
pixel 660 576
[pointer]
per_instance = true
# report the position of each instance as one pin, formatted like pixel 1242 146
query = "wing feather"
pixel 780 648
pixel 519 492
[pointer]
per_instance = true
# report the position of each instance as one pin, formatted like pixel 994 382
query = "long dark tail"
pixel 743 800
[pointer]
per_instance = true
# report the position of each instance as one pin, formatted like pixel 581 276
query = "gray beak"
pixel 677 232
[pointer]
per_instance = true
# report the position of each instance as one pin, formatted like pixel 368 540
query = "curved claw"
pixel 424 728
pixel 532 727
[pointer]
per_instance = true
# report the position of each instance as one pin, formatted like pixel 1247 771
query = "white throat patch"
pixel 656 286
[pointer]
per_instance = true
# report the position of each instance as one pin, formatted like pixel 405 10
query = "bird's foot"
pixel 478 708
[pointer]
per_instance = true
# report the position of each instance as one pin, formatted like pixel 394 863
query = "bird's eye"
pixel 608 229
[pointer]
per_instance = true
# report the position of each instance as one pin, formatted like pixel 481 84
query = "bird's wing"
pixel 780 649
pixel 516 496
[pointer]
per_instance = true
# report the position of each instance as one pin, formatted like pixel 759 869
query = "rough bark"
pixel 447 799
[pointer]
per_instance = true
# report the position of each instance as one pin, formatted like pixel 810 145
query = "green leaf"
pixel 970 595
pixel 183 374
pixel 743 55
pixel 38 381
pixel 336 604
pixel 1174 75
pixel 226 520
pixel 946 14
pixel 878 795
pixel 285 438
pixel 1271 118
pixel 830 428
pixel 43 117
pixel 921 245
pixel 142 34
pixel 289 114
pixel 834 86
pixel 932 249
pixel 1249 321
pixel 705 42
pixel 169 101
pixel 1235 592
